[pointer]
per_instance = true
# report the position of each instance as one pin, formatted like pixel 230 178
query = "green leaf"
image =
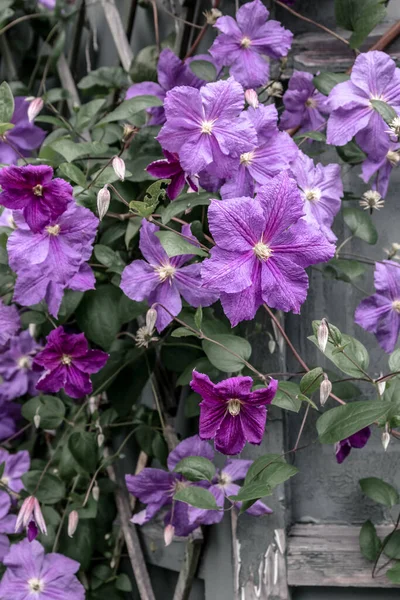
pixel 311 381
pixel 394 361
pixel 6 103
pixel 202 365
pixel 359 17
pixel 196 468
pixel 192 408
pixel 355 351
pixel 184 203
pixel 50 491
pixel 82 545
pixel 370 544
pixel 351 153
pixel 108 257
pixel 32 316
pixel 379 491
pixel 73 151
pixel 83 448
pixel 394 573
pixel 6 127
pixel 198 317
pixel 384 109
pixel 392 545
pixel 318 136
pixel 144 437
pixel 97 315
pixel 175 245
pixel 325 82
pixel 73 173
pixel 198 497
pixel 123 583
pixel 345 270
pixel 128 109
pixel 87 112
pixel 50 409
pixel 287 396
pixel 104 77
pixel 263 476
pixel 183 332
pixel 341 422
pixel 154 194
pixel 224 360
pixel 360 224
pixel 204 69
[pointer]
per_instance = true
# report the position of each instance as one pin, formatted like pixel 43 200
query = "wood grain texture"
pixel 329 555
pixel 118 33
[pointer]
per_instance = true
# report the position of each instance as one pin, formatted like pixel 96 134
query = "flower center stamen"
pixel 247 158
pixel 396 306
pixel 246 42
pixel 311 102
pixel 165 272
pixel 38 190
pixel 234 407
pixel 312 195
pixel 224 479
pixel 66 360
pixel 393 158
pixel 24 362
pixel 53 229
pixel 262 251
pixel 35 585
pixel 207 127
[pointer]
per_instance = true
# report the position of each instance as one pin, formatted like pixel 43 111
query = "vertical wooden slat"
pixel 117 29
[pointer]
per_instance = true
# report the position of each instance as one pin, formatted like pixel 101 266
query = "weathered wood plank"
pixel 117 29
pixel 329 555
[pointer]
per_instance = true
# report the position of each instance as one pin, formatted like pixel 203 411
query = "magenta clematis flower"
pixel 380 313
pixel 30 518
pixel 305 107
pixel 16 367
pixel 170 168
pixel 374 77
pixel 156 488
pixel 382 168
pixel 15 465
pixel 68 363
pixel 24 137
pixel 160 279
pixel 32 190
pixel 7 523
pixel 230 412
pixel 321 189
pixel 9 322
pixel 357 440
pixel 205 126
pixel 262 248
pixel 171 72
pixel 35 575
pixel 272 154
pixel 245 44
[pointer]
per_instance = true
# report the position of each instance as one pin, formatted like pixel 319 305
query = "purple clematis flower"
pixel 272 154
pixel 68 363
pixel 9 415
pixel 16 367
pixel 205 126
pixel 171 72
pixel 32 190
pixel 231 413
pixel 156 488
pixel 24 136
pixel 32 574
pixel 357 440
pixel 245 44
pixel 374 77
pixel 160 279
pixel 262 248
pixel 380 313
pixel 305 106
pixel 170 168
pixel 382 168
pixel 15 465
pixel 9 322
pixel 321 189
pixel 7 523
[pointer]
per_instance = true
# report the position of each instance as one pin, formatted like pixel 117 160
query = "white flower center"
pixel 66 360
pixel 53 229
pixel 224 479
pixel 247 158
pixel 38 190
pixel 313 195
pixel 5 480
pixel 35 585
pixel 165 272
pixel 311 102
pixel 393 158
pixel 246 42
pixel 396 306
pixel 234 407
pixel 262 251
pixel 24 362
pixel 207 127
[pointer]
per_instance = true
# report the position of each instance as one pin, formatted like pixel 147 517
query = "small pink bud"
pixel 119 167
pixel 381 386
pixel 103 202
pixel 73 520
pixel 151 318
pixel 96 492
pixel 34 109
pixel 30 512
pixel 324 390
pixel 322 335
pixel 251 98
pixel 169 533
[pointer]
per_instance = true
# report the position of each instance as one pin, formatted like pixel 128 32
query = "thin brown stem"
pixel 301 428
pixel 17 434
pixel 156 26
pixel 21 20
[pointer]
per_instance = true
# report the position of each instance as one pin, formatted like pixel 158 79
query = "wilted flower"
pixel 212 15
pixel 73 520
pixel 394 126
pixel 274 89
pixel 103 202
pixel 118 165
pixel 325 389
pixel 31 518
pixel 372 200
pixel 34 108
pixel 145 335
pixel 323 334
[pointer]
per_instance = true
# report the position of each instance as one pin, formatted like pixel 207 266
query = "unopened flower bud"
pixel 324 390
pixel 34 109
pixel 100 440
pixel 251 98
pixel 151 318
pixel 322 335
pixel 385 440
pixel 92 404
pixel 96 492
pixel 128 131
pixel 212 16
pixel 103 202
pixel 36 421
pixel 31 518
pixel 73 520
pixel 381 387
pixel 271 346
pixel 119 167
pixel 169 533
